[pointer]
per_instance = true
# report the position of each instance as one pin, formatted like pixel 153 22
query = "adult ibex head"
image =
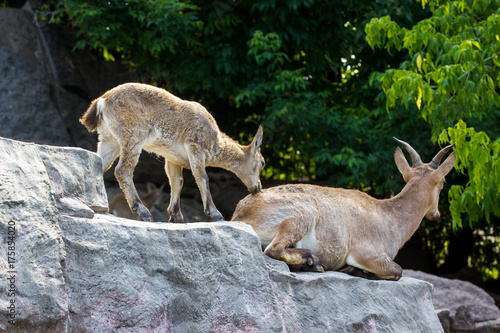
pixel 316 228
pixel 434 173
pixel 133 117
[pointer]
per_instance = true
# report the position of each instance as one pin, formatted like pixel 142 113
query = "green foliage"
pixel 478 158
pixel 487 252
pixel 146 27
pixel 453 74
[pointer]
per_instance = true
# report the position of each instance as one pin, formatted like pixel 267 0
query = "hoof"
pixel 216 217
pixel 175 214
pixel 146 217
pixel 312 264
pixel 143 212
pixel 176 219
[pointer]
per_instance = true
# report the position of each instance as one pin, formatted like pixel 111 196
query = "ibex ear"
pixel 402 164
pixel 150 187
pixel 257 140
pixel 446 166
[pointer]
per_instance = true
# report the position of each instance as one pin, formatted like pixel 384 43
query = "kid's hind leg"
pixel 109 149
pixel 129 157
pixel 291 231
pixel 176 180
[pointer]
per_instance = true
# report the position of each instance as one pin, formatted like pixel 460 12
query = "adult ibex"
pixel 134 116
pixel 316 228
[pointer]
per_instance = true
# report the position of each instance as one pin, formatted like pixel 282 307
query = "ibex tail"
pixel 92 117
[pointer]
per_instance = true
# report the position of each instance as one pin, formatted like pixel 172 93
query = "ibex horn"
pixel 415 158
pixel 437 159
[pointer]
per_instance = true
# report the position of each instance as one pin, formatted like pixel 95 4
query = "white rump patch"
pixel 101 104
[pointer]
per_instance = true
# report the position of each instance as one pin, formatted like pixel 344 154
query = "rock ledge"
pixel 78 269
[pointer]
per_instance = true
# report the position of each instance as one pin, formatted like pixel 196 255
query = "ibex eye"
pixel 263 163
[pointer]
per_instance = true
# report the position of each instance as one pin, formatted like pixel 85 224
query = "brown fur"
pixel 319 228
pixel 119 206
pixel 134 116
pixel 91 119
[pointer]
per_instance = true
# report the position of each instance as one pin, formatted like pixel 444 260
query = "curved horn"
pixel 415 158
pixel 437 159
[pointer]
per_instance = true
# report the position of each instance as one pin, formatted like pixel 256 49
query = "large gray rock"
pixel 45 86
pixel 77 270
pixel 26 109
pixel 462 306
pixel 37 184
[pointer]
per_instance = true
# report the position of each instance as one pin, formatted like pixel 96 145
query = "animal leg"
pixel 373 268
pixel 292 230
pixel 197 164
pixel 109 149
pixel 354 271
pixel 174 173
pixel 129 157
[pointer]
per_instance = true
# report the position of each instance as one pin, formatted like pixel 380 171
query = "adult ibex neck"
pixel 406 210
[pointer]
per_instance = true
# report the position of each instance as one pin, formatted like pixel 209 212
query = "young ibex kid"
pixel 134 116
pixel 316 228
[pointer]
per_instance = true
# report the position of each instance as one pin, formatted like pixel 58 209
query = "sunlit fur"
pixel 133 117
pixel 316 228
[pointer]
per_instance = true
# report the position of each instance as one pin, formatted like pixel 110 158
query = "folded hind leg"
pixel 291 231
pixel 363 264
pixel 354 271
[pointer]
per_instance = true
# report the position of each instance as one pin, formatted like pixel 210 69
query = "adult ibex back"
pixel 316 228
pixel 134 116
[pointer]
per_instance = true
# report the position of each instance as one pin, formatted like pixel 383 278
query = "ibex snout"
pixel 256 188
pixel 433 216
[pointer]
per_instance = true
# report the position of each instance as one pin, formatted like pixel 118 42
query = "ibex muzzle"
pixel 316 228
pixel 133 117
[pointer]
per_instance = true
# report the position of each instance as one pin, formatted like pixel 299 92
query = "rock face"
pixel 44 85
pixel 73 268
pixel 461 306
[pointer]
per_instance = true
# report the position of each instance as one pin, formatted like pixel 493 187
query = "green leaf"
pixel 419 63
